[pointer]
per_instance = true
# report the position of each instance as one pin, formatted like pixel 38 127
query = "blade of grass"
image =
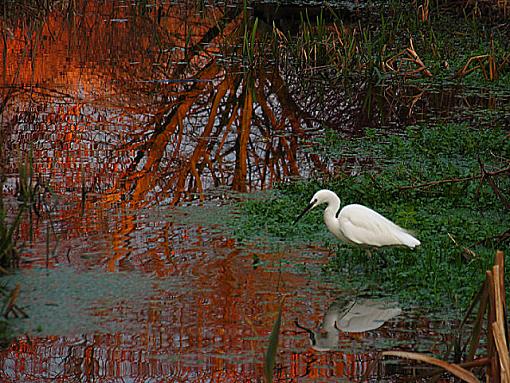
pixel 477 328
pixel 11 302
pixel 270 357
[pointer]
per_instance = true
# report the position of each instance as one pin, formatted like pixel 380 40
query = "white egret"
pixel 358 224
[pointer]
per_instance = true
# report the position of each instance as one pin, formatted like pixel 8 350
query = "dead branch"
pixel 430 184
pixel 488 176
pixel 482 62
pixel 466 251
pixel 499 238
pixel 408 55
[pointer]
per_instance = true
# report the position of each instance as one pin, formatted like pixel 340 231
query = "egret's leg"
pixel 383 261
pixel 379 259
pixel 370 260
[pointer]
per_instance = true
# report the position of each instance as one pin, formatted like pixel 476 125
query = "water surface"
pixel 143 125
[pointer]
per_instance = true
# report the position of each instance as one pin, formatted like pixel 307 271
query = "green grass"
pixel 444 42
pixel 438 273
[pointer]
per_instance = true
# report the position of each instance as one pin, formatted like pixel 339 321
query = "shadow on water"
pixel 131 108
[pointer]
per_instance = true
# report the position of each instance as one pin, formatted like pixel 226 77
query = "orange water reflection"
pixel 140 115
pixel 130 111
pixel 213 328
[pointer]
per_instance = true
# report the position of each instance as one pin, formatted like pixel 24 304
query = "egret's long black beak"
pixel 305 211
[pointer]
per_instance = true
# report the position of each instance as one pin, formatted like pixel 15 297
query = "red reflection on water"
pixel 141 109
pixel 122 108
pixel 216 328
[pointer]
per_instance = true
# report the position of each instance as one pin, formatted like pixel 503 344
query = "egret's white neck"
pixel 333 206
pixel 330 214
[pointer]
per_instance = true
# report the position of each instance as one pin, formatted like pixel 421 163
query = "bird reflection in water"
pixel 355 316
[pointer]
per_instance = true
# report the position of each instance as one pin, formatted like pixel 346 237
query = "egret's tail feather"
pixel 408 240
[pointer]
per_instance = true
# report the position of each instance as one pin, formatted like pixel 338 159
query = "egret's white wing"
pixel 364 226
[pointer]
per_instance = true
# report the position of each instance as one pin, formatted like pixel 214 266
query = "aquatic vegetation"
pixel 494 358
pixel 11 218
pixel 129 104
pixel 26 196
pixel 429 180
pixel 390 43
pixel 7 236
pixel 7 257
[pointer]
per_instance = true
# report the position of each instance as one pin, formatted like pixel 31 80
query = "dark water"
pixel 143 124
